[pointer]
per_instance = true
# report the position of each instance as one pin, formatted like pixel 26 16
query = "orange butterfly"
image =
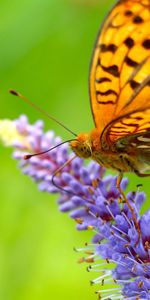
pixel 120 92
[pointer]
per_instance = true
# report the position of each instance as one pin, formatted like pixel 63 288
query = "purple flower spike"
pixel 91 198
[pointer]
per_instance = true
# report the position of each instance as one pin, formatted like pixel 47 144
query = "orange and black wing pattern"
pixel 120 72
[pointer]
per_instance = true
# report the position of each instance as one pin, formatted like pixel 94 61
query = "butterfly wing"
pixel 119 77
pixel 132 124
pixel 139 145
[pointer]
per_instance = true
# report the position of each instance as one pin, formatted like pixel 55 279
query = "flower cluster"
pixel 94 202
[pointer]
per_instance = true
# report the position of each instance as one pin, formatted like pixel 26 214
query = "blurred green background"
pixel 45 52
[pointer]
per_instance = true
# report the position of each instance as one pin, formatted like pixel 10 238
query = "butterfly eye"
pixel 86 150
pixel 81 149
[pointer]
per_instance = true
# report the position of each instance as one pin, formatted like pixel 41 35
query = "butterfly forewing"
pixel 120 72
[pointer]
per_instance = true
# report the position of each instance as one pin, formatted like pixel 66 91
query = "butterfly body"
pixel 119 86
pixel 119 157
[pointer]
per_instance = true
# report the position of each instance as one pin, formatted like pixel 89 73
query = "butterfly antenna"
pixel 15 93
pixel 28 156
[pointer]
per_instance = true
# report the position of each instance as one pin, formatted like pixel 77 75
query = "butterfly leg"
pixel 141 174
pixel 119 179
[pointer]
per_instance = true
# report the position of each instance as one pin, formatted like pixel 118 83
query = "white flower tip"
pixel 8 132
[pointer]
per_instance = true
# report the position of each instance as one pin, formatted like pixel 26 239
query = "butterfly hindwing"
pixel 139 145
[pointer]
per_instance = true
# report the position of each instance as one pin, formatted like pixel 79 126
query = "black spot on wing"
pixel 102 79
pixel 134 84
pixel 129 42
pixel 138 20
pixel 111 48
pixel 146 44
pixel 107 93
pixel 130 62
pixel 128 13
pixel 113 70
pixel 106 102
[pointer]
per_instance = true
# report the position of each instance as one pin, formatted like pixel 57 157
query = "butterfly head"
pixel 85 143
pixel 82 146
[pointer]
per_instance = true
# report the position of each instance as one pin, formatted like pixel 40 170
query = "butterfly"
pixel 120 95
pixel 120 92
pixel 119 85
